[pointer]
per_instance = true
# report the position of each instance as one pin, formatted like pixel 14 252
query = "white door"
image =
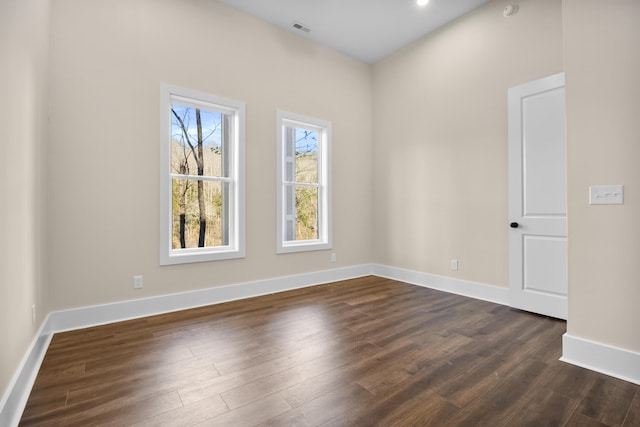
pixel 537 197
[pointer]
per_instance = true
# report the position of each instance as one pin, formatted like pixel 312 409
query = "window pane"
pixel 306 213
pixel 304 202
pixel 197 140
pixel 188 198
pixel 306 142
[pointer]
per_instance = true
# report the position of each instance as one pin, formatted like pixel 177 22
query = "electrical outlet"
pixel 137 282
pixel 33 314
pixel 454 264
pixel 333 258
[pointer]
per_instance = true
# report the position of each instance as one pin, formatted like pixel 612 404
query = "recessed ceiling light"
pixel 422 2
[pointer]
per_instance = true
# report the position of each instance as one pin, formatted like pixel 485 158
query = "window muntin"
pixel 303 184
pixel 202 212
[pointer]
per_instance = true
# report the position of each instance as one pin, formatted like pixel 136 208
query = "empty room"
pixel 320 212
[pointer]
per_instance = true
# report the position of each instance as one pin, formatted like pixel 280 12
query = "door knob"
pixel 514 225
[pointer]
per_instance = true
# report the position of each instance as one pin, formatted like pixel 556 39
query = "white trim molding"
pixel 17 393
pixel 465 288
pixel 126 310
pixel 603 358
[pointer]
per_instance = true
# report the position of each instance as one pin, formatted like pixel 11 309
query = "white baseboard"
pixel 16 395
pixel 475 290
pixel 608 360
pixel 84 317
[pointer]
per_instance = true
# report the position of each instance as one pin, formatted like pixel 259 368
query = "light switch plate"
pixel 606 195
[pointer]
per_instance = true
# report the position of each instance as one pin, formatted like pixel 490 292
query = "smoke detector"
pixel 510 10
pixel 300 27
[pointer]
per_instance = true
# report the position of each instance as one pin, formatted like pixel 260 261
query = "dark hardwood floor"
pixel 362 352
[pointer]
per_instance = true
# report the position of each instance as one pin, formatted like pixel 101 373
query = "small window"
pixel 304 185
pixel 202 177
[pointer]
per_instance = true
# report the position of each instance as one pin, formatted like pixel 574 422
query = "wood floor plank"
pixel 364 352
pixel 633 415
pixel 546 408
pixel 112 409
pixel 571 381
pixel 238 378
pixel 418 411
pixel 282 380
pixel 422 383
pixel 312 388
pixel 252 414
pixel 380 380
pixel 135 384
pixel 470 385
pixel 579 420
pixel 336 403
pixel 505 401
pixel 295 351
pixel 435 344
pixel 607 401
pixel 188 415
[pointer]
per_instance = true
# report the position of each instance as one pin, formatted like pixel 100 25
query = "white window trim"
pixel 324 179
pixel 236 247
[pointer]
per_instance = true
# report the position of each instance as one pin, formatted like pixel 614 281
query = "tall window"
pixel 202 177
pixel 304 190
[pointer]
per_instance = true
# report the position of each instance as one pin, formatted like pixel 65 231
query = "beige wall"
pixel 108 60
pixel 440 139
pixel 24 30
pixel 602 62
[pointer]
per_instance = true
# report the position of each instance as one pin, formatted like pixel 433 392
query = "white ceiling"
pixel 367 30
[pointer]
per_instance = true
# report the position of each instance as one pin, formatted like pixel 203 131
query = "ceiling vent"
pixel 300 27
